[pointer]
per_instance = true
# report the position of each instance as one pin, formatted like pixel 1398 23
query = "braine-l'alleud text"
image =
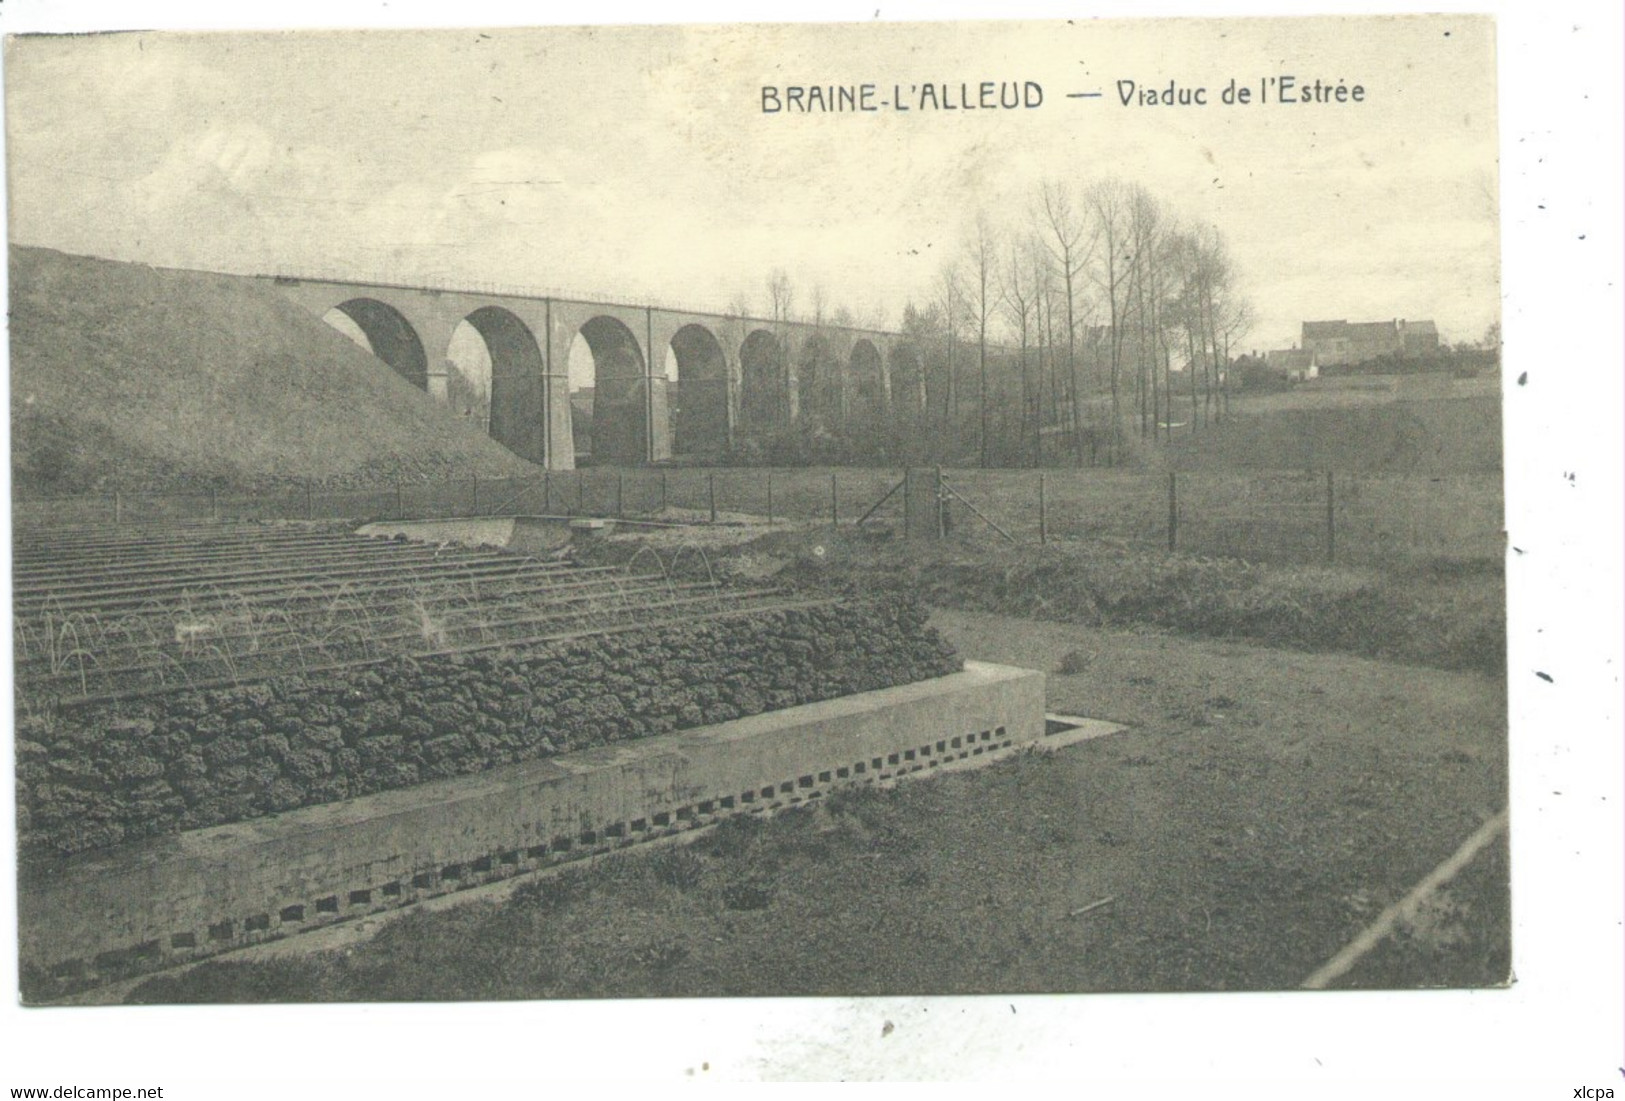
pixel 986 95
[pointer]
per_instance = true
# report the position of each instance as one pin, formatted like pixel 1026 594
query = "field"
pixel 1300 516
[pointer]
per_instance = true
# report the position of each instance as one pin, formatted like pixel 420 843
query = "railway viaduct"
pixel 665 382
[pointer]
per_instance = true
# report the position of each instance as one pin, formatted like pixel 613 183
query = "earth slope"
pixel 127 375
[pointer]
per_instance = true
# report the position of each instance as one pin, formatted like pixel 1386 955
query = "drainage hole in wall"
pixel 291 913
pixel 392 890
pixel 259 923
pixel 328 905
pixel 360 898
pixel 183 940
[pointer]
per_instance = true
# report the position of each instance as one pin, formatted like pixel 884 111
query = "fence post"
pixel 1331 519
pixel 620 491
pixel 662 492
pixel 400 502
pixel 1173 511
pixel 214 504
pixel 310 500
pixel 942 506
pixel 118 507
pixel 1043 513
pixel 711 493
pixel 581 491
pixel 908 505
pixel 474 506
pixel 769 498
pixel 834 502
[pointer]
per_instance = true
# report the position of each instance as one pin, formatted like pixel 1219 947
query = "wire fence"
pixel 1291 517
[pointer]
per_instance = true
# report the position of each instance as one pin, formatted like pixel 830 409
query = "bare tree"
pixel 951 302
pixel 780 300
pixel 1109 208
pixel 1018 299
pixel 781 296
pixel 981 256
pixel 1069 246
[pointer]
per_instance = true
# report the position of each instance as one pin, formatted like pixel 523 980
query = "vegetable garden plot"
pixel 150 702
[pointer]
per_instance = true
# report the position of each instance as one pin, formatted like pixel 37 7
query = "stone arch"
pixel 515 390
pixel 762 399
pixel 606 362
pixel 818 382
pixel 907 370
pixel 700 408
pixel 388 335
pixel 868 379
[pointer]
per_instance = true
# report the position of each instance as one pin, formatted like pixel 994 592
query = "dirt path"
pixel 1264 807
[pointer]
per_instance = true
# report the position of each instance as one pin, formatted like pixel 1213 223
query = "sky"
pixel 637 162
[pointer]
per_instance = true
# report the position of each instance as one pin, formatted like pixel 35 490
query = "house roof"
pixel 1288 359
pixel 1362 330
pixel 1321 330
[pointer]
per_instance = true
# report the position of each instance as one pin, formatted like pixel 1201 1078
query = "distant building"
pixel 1355 342
pixel 1294 364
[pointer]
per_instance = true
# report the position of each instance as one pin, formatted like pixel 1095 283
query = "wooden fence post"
pixel 474 506
pixel 1043 513
pixel 662 492
pixel 908 505
pixel 769 498
pixel 214 503
pixel 310 500
pixel 942 506
pixel 400 501
pixel 1173 511
pixel 711 493
pixel 620 491
pixel 581 491
pixel 1331 519
pixel 118 507
pixel 834 502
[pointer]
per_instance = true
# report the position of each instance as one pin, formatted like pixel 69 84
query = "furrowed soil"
pixel 1262 808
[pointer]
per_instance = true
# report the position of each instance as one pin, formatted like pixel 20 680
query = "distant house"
pixel 1293 364
pixel 1357 341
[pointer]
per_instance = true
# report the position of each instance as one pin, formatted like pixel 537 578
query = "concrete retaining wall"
pixel 193 894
